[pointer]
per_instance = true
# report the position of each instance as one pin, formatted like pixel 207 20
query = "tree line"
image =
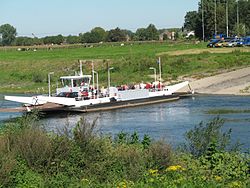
pixel 215 14
pixel 8 36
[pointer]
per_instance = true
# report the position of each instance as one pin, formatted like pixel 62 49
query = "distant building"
pixel 167 35
pixel 128 38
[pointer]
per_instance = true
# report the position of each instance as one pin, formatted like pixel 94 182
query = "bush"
pixel 229 166
pixel 34 146
pixel 84 132
pixel 201 137
pixel 98 158
pixel 61 180
pixel 130 162
pixel 37 77
pixel 160 155
pixel 29 179
pixel 7 166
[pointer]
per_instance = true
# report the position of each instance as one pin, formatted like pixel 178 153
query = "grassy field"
pixel 26 71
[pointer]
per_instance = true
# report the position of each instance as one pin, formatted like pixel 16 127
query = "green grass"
pixel 228 111
pixel 19 70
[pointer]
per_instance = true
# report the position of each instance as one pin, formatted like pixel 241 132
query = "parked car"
pixel 232 43
pixel 223 42
pixel 212 43
pixel 240 42
pixel 246 41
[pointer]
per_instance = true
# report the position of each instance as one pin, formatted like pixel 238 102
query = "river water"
pixel 168 121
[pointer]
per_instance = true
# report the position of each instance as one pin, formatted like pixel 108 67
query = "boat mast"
pixel 49 82
pixel 97 84
pixel 159 61
pixel 109 68
pixel 80 67
pixel 93 75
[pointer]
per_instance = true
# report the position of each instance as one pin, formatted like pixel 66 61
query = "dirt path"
pixel 235 83
pixel 206 50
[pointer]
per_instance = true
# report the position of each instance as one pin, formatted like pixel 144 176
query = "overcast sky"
pixel 53 17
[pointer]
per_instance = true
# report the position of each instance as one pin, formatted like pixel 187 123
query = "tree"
pixel 72 39
pixel 58 39
pixel 140 34
pixel 165 36
pixel 151 32
pixel 244 14
pixel 86 37
pixel 208 9
pixel 240 30
pixel 209 17
pixel 98 34
pixel 8 33
pixel 37 41
pixel 24 41
pixel 53 39
pixel 116 35
pixel 191 20
pixel 129 34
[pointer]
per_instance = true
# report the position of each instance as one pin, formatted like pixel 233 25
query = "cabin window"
pixel 66 83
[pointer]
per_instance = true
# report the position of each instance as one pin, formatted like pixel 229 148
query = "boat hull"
pixel 125 104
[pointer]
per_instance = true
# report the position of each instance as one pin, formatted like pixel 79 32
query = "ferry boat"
pixel 77 94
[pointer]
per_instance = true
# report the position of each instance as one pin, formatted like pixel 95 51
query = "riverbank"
pixel 235 82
